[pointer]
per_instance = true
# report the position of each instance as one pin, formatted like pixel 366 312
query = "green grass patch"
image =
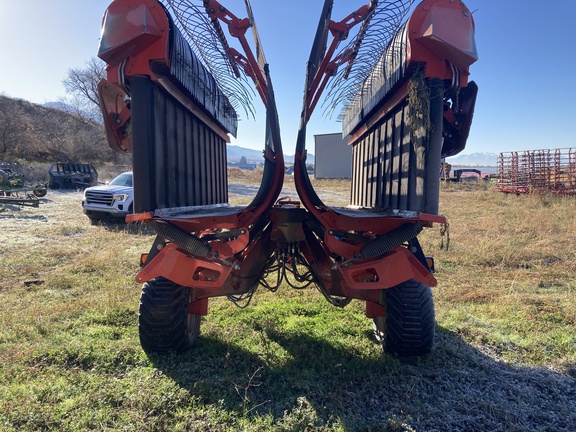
pixel 504 357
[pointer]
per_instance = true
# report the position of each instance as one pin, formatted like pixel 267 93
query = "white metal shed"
pixel 333 156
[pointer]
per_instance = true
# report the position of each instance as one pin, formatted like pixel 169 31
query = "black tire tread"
pixel 410 319
pixel 40 192
pixel 163 318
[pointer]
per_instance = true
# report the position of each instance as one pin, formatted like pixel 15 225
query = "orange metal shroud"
pixel 128 28
pixel 143 25
pixel 440 33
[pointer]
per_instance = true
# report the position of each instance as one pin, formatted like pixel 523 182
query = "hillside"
pixel 45 134
pixel 49 133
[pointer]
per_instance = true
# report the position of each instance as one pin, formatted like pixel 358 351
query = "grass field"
pixel 504 357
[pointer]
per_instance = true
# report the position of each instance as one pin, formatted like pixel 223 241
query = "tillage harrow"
pixel 400 72
pixel 15 190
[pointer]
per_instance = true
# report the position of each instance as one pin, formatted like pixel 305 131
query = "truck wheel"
pixel 164 323
pixel 407 329
pixel 94 220
pixel 3 177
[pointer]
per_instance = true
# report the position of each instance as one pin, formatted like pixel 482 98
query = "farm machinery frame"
pixel 14 189
pixel 538 171
pixel 168 102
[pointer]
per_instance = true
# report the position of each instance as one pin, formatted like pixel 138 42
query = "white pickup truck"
pixel 109 201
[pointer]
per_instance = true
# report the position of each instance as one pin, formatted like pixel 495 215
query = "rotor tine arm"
pixel 330 72
pixel 245 64
pixel 222 39
pixel 237 28
pixel 359 38
pixel 329 65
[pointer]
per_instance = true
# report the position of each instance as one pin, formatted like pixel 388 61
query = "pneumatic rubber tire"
pixel 408 327
pixel 40 192
pixel 95 220
pixel 164 323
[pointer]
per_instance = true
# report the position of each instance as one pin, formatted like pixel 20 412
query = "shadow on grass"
pixel 319 386
pixel 119 225
pixel 39 218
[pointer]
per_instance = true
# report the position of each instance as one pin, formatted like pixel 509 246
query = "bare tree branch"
pixel 82 86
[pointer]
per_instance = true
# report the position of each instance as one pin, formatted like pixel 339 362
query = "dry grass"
pixel 243 185
pixel 505 355
pixel 508 278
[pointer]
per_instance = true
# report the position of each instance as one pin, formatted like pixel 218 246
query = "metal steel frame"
pixel 544 170
pixel 220 250
pixel 339 246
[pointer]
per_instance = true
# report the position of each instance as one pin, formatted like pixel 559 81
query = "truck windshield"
pixel 124 179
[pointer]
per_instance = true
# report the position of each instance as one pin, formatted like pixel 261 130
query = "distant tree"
pixel 82 86
pixel 243 160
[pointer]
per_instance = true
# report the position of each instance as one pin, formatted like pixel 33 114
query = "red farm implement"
pixel 538 171
pixel 169 100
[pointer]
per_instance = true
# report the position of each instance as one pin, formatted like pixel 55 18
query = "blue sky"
pixel 527 96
